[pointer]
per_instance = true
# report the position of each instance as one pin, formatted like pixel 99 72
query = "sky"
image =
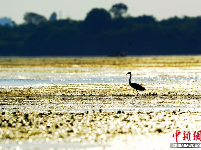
pixel 77 9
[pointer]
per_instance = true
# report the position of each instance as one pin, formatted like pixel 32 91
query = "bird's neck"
pixel 130 79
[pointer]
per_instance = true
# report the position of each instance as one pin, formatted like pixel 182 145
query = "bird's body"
pixel 135 85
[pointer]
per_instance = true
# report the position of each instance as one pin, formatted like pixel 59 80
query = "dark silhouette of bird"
pixel 135 85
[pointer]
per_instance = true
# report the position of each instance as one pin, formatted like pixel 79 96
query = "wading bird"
pixel 135 85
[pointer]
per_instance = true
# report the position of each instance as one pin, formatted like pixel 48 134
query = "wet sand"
pixel 99 128
pixel 98 116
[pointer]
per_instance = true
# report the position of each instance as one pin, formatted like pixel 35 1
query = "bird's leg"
pixel 133 92
pixel 137 93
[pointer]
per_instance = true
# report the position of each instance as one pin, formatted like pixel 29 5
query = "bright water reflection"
pixel 46 76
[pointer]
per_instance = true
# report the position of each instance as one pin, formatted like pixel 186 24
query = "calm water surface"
pixel 47 76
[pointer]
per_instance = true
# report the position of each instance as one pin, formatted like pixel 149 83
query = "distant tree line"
pixel 102 32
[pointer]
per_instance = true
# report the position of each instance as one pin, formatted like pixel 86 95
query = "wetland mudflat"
pixel 85 102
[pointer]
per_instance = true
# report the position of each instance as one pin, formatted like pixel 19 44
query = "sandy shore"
pixel 95 129
pixel 97 116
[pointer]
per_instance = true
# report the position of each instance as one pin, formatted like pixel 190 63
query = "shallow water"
pixel 97 88
pixel 46 76
pixel 105 82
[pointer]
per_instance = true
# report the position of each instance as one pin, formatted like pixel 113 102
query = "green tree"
pixel 97 20
pixel 98 14
pixel 34 19
pixel 118 10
